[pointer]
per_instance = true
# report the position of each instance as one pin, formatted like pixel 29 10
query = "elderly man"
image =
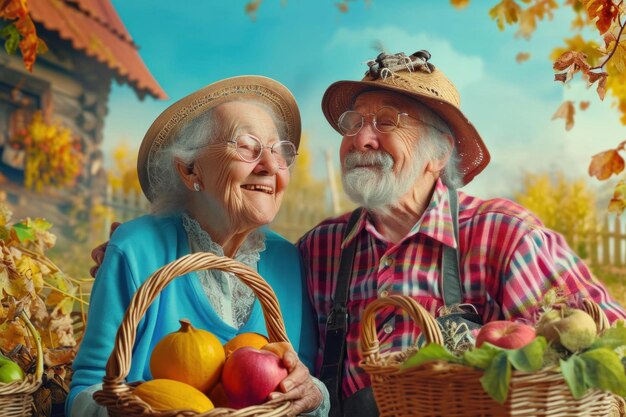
pixel 406 148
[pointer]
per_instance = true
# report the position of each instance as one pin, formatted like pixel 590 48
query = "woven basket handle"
pixel 369 345
pixel 119 362
pixel 594 310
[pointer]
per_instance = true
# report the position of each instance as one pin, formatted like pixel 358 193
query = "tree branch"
pixel 608 58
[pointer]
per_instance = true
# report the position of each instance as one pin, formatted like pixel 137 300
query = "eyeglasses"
pixel 385 120
pixel 249 148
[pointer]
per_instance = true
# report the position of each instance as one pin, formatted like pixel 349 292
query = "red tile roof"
pixel 93 26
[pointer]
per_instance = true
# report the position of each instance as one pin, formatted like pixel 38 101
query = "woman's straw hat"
pixel 273 93
pixel 414 77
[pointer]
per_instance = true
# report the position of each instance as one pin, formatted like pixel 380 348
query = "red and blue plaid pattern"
pixel 508 261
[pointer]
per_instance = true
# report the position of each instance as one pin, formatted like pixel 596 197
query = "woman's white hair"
pixel 170 193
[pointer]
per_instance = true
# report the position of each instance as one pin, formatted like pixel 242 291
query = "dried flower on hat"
pixel 386 65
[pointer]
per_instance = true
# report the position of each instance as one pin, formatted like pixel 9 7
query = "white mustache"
pixel 373 158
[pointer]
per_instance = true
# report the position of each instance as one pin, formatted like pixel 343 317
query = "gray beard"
pixel 369 180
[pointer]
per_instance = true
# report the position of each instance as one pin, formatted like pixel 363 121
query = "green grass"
pixel 614 278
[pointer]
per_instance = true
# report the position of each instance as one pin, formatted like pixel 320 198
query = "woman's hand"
pixel 97 254
pixel 298 387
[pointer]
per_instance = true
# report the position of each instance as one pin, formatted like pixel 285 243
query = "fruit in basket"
pixel 167 394
pixel 218 396
pixel 9 370
pixel 190 355
pixel 250 375
pixel 571 328
pixel 251 339
pixel 506 334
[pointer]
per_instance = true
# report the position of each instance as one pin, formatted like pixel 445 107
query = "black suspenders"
pixel 337 321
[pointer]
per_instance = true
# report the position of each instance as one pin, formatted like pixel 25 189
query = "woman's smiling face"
pixel 248 194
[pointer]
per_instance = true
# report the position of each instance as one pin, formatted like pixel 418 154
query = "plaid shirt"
pixel 508 260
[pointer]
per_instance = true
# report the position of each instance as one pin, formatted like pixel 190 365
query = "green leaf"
pixel 431 352
pixel 24 232
pixel 611 339
pixel 530 357
pixel 481 357
pixel 497 376
pixel 573 370
pixel 12 38
pixel 604 370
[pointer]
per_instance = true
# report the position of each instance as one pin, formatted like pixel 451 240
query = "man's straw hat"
pixel 269 91
pixel 414 77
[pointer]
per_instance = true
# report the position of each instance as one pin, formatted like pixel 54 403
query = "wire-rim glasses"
pixel 385 120
pixel 250 148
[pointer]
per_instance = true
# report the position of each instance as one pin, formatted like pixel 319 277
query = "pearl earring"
pixel 196 186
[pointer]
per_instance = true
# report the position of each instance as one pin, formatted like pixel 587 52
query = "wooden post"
pixel 334 194
pixel 617 242
pixel 592 245
pixel 606 259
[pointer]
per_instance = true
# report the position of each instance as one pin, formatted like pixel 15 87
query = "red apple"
pixel 506 334
pixel 250 375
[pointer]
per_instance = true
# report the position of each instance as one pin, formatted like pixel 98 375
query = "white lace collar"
pixel 231 299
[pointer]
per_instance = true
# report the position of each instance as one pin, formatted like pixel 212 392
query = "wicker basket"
pixel 118 396
pixel 437 389
pixel 16 398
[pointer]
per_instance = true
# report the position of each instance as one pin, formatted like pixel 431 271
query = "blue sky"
pixel 308 44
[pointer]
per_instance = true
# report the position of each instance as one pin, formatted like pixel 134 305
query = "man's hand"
pixel 97 254
pixel 298 387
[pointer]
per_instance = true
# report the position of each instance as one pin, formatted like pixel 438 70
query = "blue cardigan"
pixel 141 246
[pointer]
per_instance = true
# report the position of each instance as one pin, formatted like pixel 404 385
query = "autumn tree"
pixel 307 200
pixel 564 205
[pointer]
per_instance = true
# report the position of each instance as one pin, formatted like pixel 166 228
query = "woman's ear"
pixel 437 165
pixel 186 172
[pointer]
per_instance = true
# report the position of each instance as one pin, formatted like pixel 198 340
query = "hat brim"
pixel 273 93
pixel 473 153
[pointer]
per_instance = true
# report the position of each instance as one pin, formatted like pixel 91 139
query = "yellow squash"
pixel 190 355
pixel 167 394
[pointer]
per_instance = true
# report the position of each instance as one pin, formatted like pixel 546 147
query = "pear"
pixel 571 328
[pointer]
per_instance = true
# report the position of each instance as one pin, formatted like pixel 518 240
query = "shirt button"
pixel 388 328
pixel 388 261
pixel 384 293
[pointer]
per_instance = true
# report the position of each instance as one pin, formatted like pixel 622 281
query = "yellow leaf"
pixel 506 12
pixel 522 57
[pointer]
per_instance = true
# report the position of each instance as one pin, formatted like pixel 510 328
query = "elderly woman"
pixel 215 166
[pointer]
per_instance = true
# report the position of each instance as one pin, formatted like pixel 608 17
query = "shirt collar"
pixel 436 222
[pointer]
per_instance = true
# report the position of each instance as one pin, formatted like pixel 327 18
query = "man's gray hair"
pixel 435 147
pixel 170 193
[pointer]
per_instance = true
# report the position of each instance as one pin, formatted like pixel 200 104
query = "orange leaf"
pixel 605 164
pixel 569 58
pixel 14 9
pixel 459 4
pixel 601 89
pixel 343 7
pixel 605 11
pixel 566 111
pixel 521 57
pixel 252 7
pixel 583 105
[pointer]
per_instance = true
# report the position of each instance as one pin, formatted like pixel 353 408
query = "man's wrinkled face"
pixel 247 193
pixel 379 168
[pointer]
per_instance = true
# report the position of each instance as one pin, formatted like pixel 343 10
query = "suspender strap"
pixel 337 324
pixel 452 290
